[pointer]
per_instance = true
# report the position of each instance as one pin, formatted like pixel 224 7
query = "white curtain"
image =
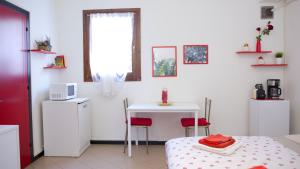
pixel 111 37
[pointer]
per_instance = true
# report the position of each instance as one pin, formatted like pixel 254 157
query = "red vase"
pixel 164 96
pixel 258 45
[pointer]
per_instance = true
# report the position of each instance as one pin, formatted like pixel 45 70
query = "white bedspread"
pixel 254 151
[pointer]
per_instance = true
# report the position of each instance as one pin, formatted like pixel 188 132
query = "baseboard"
pixel 122 142
pixel 41 154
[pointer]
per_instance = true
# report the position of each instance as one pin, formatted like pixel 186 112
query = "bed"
pixel 254 150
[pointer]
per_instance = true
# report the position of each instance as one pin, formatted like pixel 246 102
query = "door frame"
pixel 27 44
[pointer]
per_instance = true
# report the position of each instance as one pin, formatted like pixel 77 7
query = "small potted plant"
pixel 279 57
pixel 44 44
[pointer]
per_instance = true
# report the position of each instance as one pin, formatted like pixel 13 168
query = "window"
pixel 124 40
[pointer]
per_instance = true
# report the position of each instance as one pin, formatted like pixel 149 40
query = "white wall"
pixel 292 55
pixel 228 78
pixel 42 17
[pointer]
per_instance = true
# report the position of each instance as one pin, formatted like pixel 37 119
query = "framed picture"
pixel 164 61
pixel 60 61
pixel 195 54
pixel 267 12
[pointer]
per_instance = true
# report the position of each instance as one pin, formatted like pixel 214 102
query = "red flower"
pixel 265 31
pixel 270 27
pixel 258 29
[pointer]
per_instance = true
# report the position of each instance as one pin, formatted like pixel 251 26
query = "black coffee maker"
pixel 273 89
pixel 260 92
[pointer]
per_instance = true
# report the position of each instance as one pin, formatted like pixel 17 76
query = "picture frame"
pixel 266 12
pixel 195 54
pixel 60 61
pixel 164 61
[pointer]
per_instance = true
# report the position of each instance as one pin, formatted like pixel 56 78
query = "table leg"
pixel 129 132
pixel 196 123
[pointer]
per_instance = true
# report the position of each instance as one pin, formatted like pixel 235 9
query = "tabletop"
pixel 156 107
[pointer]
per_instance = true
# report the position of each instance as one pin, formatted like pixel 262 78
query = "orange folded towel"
pixel 217 141
pixel 258 167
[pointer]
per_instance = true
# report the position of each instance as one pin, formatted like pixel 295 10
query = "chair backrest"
pixel 125 103
pixel 207 108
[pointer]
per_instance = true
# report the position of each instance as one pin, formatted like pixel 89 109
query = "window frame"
pixel 135 75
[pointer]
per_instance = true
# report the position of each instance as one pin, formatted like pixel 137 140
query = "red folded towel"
pixel 221 145
pixel 258 167
pixel 217 141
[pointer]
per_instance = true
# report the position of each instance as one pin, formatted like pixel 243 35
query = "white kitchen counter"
pixel 9 147
pixel 7 128
pixel 269 117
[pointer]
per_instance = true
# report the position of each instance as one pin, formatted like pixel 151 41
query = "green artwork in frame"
pixel 164 61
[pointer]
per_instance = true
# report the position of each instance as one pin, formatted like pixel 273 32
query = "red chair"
pixel 136 122
pixel 189 123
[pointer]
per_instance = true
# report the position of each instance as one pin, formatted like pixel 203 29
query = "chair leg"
pixel 137 137
pixel 125 140
pixel 208 130
pixel 147 145
pixel 186 132
pixel 205 131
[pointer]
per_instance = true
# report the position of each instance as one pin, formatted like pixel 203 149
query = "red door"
pixel 14 83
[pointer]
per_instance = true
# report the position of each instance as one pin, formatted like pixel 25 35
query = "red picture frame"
pixel 195 54
pixel 164 61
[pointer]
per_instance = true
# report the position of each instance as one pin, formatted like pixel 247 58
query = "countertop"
pixel 7 128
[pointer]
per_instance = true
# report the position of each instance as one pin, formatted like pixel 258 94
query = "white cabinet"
pixel 67 129
pixel 269 117
pixel 9 147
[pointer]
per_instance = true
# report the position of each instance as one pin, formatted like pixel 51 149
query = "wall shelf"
pixel 42 51
pixel 55 67
pixel 269 65
pixel 253 52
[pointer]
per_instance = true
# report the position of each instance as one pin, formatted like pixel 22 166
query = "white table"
pixel 156 108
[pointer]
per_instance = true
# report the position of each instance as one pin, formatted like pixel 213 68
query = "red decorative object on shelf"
pixel 164 96
pixel 269 65
pixel 55 67
pixel 42 51
pixel 258 45
pixel 262 32
pixel 253 52
pixel 60 61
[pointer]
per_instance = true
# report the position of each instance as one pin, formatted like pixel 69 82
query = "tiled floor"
pixel 99 156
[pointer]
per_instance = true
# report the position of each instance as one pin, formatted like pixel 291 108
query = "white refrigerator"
pixel 269 117
pixel 67 127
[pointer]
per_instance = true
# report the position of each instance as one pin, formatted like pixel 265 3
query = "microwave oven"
pixel 62 91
